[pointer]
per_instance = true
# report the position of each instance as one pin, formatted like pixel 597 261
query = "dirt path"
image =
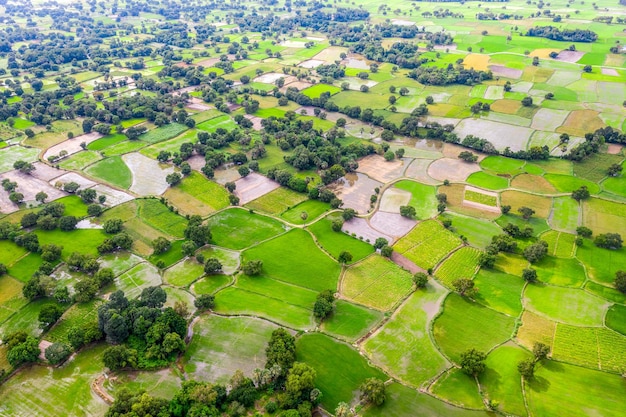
pixel 405 263
pixel 98 389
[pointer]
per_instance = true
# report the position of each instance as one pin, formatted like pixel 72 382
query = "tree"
pixel 614 170
pixel 16 197
pixel 620 281
pixel 526 368
pixel 536 252
pixel 343 410
pixel 373 391
pixel 280 350
pixel 161 245
pixel 26 351
pixel 51 252
pixel 243 171
pixel 541 351
pixel 29 133
pixel 336 225
pixel 24 167
pixel 113 226
pixel 344 257
pixel 408 211
pixel 153 297
pixel 527 101
pixel 33 288
pixel 529 275
pixel 587 68
pixel 252 267
pixel 49 314
pixel 173 179
pixel 119 357
pixel 188 248
pixel 505 209
pixel 386 251
pixel 464 286
pixel 468 156
pixel 609 241
pixel 41 197
pixel 71 187
pixel 300 382
pixel 94 210
pixel 420 279
pixel 473 362
pixel 380 242
pixel 584 231
pixel 57 353
pixel 3 269
pixel 348 214
pixel 487 260
pixel 204 302
pixel 324 305
pixel 526 212
pixel 581 194
pixel 212 266
pixel 67 223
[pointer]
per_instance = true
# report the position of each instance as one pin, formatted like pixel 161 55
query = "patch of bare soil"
pixel 360 228
pixel 377 168
pixel 355 189
pixel 45 172
pixel 73 177
pixel 148 174
pixel 503 71
pixel 256 121
pixel 72 146
pixel 570 56
pixel 253 186
pixel 451 169
pixel 614 149
pixel 392 224
pixel 114 197
pixel 393 199
pixel 418 170
pixel 29 186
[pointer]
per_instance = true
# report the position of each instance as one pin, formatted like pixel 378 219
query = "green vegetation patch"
pixel 561 272
pixel 337 242
pixel 10 252
pixel 163 133
pixel 502 165
pixel 499 291
pixel 79 315
pixel 376 282
pixel 106 141
pixel 482 327
pixel 461 264
pixel 477 231
pixel 210 193
pixel 85 241
pixel 601 264
pixel 159 216
pixel 237 229
pixel 277 201
pixel 565 214
pixel 210 284
pixel 427 244
pixel 501 380
pixel 350 321
pixel 317 90
pixel 481 198
pixel 488 181
pixel 616 318
pixel 422 198
pixel 326 355
pixel 133 281
pixel 568 183
pixel 567 305
pixel 222 345
pixel 184 273
pixel 402 346
pixel 458 388
pixel 294 258
pixel 112 170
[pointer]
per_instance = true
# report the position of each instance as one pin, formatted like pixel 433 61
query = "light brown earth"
pixel 355 189
pixel 253 186
pixel 392 224
pixel 377 168
pixel 72 146
pixel 454 170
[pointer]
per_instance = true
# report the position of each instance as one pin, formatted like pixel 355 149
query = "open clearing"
pixel 142 184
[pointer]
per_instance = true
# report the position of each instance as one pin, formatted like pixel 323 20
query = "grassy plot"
pixel 112 170
pixel 603 216
pixel 376 282
pixel 157 215
pixel 458 388
pixel 133 281
pixel 502 165
pixel 277 201
pixel 183 273
pixel 10 252
pixel 80 160
pixel 482 327
pixel 477 231
pixel 74 206
pixel 402 346
pixel 24 269
pixel 461 264
pixel 567 305
pixel 616 318
pixel 294 258
pixel 405 402
pixel 516 199
pixel 163 133
pixel 427 244
pixel 106 141
pixel 234 300
pixel 170 257
pixel 220 346
pixel 210 284
pixel 601 264
pixel 501 380
pixel 561 272
pixel 560 389
pixel 312 208
pixel 208 192
pixel 568 183
pixel 535 329
pixel 488 181
pixel 237 229
pixel 422 198
pixel 85 241
pixel 337 242
pixel 488 200
pixel 79 315
pixel 11 298
pixel 119 261
pixel 26 318
pixel 608 293
pixel 499 291
pixel 538 225
pixel 326 355
pixel 50 392
pixel 350 321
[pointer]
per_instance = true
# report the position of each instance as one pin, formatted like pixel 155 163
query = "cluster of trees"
pixel 449 75
pixel 144 334
pixel 570 35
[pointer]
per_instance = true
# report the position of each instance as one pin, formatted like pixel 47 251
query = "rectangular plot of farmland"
pixel 612 349
pixel 578 345
pixel 461 264
pixel 136 279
